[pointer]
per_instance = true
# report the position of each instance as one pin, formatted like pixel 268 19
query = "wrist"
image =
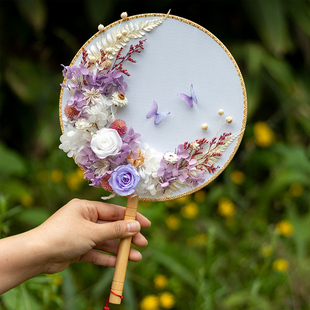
pixel 21 259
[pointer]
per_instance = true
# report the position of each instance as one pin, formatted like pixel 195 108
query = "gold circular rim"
pixel 231 58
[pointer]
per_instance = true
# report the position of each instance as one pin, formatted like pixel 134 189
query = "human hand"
pixel 79 229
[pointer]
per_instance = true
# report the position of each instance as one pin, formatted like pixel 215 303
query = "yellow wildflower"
pixel 173 222
pixel 56 175
pixel 266 250
pixel 237 177
pixel 285 228
pixel 42 176
pixel 58 280
pixel 183 200
pixel 264 136
pixel 170 203
pixel 166 300
pixel 296 190
pixel 201 238
pixel 200 196
pixel 197 240
pixel 26 200
pixel 150 302
pixel 160 281
pixel 280 265
pixel 226 207
pixel 75 179
pixel 190 211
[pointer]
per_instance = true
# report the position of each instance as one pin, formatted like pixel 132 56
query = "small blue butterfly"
pixel 189 99
pixel 158 117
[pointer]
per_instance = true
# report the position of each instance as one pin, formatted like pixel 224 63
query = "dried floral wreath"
pixel 104 147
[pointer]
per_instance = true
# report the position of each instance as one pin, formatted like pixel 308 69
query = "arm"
pixel 74 233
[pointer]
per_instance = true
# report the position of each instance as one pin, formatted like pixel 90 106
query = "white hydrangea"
pixel 67 121
pixel 97 113
pixel 83 124
pixel 73 141
pixel 148 172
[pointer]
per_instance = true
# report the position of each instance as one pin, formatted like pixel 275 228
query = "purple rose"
pixel 124 180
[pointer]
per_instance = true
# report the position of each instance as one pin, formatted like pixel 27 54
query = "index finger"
pixel 110 212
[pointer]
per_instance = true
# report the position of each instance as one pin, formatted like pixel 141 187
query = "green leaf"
pixel 19 298
pixel 245 300
pixel 11 163
pixel 129 295
pixel 174 265
pixel 69 290
pixel 280 71
pixel 33 217
pixel 103 284
pixel 34 12
pixel 269 19
pixel 25 79
pixel 301 234
pixel 99 11
pixel 300 12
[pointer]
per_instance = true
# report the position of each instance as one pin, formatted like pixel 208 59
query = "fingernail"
pixel 133 226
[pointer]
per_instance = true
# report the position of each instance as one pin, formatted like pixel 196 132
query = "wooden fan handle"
pixel 122 255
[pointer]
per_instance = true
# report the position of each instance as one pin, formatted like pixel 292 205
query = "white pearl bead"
pixel 101 28
pixel 204 126
pixel 124 15
pixel 229 119
pixel 221 112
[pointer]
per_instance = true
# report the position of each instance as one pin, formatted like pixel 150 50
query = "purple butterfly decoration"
pixel 158 117
pixel 189 99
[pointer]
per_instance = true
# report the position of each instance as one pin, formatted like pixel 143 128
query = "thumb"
pixel 115 230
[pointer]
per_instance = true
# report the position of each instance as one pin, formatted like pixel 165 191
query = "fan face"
pixel 178 90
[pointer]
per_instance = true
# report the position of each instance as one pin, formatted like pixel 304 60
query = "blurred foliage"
pixel 242 242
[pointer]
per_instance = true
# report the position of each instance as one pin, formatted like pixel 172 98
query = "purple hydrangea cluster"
pixel 182 169
pixel 83 79
pixel 130 146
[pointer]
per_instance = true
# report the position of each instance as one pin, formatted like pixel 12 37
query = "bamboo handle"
pixel 122 255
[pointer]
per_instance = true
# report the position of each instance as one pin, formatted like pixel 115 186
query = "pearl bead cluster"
pixel 228 120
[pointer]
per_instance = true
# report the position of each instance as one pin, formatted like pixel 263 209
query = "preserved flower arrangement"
pixel 108 152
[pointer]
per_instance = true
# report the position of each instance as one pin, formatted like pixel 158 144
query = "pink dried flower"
pixel 120 126
pixel 70 112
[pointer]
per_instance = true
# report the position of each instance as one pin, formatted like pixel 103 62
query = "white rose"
pixel 171 158
pixel 106 142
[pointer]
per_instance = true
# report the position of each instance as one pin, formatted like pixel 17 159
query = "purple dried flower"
pixel 114 81
pixel 131 138
pixel 77 100
pixel 74 71
pixel 182 152
pixel 96 80
pixel 87 156
pixel 92 177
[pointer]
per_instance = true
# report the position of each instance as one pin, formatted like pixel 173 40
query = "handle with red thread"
pixel 122 256
pixel 106 307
